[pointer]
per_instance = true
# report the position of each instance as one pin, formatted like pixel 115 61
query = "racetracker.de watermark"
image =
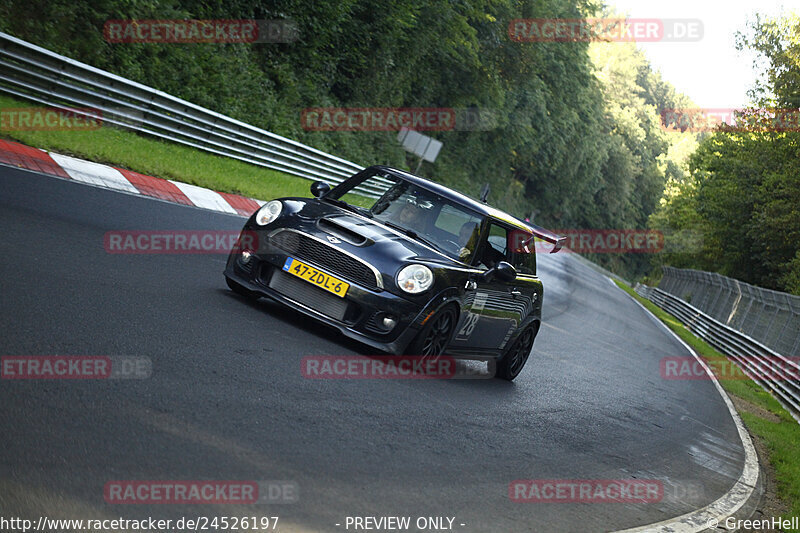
pixel 389 367
pixel 397 118
pixel 586 490
pixel 594 241
pixel 179 241
pixel 696 120
pixel 605 30
pixel 207 492
pixel 200 31
pixel 50 119
pixel 75 367
pixel 761 368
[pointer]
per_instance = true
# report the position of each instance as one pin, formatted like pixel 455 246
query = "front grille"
pixel 309 295
pixel 305 248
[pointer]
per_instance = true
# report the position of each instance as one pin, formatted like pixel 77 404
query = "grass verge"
pixel 161 159
pixel 762 414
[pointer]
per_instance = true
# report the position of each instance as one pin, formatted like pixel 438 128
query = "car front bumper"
pixel 358 315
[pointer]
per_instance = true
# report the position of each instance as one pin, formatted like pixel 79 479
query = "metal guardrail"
pixel 770 317
pixel 39 75
pixel 776 373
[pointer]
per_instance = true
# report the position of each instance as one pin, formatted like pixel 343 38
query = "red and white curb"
pixel 22 156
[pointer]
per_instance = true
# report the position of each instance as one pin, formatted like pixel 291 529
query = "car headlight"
pixel 268 212
pixel 415 278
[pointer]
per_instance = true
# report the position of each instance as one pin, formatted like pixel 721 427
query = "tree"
pixel 744 191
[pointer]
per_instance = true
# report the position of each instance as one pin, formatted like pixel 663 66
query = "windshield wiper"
pixel 354 208
pixel 411 233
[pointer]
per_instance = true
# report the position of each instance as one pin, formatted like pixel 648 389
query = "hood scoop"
pixel 342 232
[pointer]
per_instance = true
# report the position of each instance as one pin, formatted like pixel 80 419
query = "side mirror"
pixel 503 271
pixel 320 189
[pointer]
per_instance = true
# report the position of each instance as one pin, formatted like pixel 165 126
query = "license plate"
pixel 322 280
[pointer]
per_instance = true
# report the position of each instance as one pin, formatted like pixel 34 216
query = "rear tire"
pixel 517 355
pixel 435 335
pixel 240 289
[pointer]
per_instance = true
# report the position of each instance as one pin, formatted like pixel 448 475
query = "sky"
pixel 710 71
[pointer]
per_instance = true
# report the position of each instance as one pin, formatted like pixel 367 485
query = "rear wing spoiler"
pixel 546 235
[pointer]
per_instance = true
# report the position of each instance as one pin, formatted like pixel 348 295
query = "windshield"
pixel 422 214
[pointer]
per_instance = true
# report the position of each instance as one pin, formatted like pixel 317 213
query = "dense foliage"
pixel 577 137
pixel 743 192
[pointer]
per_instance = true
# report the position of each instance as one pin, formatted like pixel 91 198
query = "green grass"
pixel 162 159
pixel 780 436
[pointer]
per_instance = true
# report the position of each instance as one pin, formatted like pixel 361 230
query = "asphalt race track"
pixel 227 401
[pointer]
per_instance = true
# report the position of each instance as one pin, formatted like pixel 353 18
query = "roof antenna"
pixel 485 192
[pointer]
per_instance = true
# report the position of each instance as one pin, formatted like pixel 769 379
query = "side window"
pixel 495 248
pixel 508 245
pixel 522 252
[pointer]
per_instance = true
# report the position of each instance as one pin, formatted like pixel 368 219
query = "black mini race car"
pixel 424 270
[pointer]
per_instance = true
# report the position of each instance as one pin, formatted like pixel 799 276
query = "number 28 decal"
pixel 469 326
pixel 472 318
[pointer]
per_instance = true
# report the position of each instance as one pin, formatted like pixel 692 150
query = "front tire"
pixel 517 355
pixel 435 335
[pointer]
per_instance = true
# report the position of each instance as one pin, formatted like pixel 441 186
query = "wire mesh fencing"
pixel 770 317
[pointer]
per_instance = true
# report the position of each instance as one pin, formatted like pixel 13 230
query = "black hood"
pixel 360 235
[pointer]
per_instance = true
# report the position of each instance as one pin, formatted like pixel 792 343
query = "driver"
pixel 467 237
pixel 410 217
pixel 490 256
